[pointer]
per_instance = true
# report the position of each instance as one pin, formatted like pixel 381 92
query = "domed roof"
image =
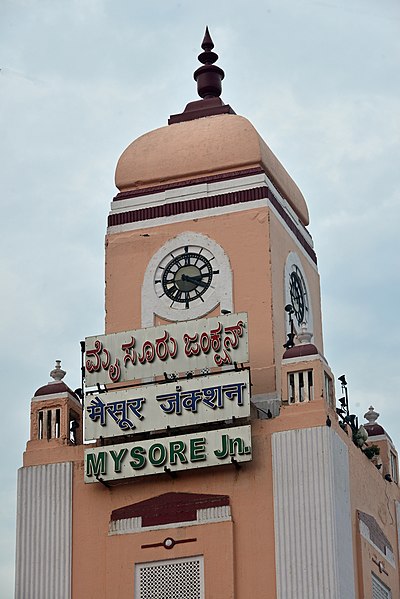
pixel 57 385
pixel 203 146
pixel 372 427
pixel 300 351
pixel 53 388
pixel 374 430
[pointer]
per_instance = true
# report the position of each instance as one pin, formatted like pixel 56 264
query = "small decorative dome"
pixel 56 385
pixel 301 350
pixel 372 427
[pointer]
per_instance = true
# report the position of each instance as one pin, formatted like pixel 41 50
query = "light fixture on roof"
pixel 290 336
pixel 344 400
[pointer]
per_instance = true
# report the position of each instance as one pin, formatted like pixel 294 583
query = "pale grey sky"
pixel 80 79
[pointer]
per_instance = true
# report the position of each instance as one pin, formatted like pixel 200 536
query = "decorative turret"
pixel 306 375
pixel 377 436
pixel 56 412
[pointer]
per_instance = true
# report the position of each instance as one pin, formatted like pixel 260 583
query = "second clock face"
pixel 298 295
pixel 185 276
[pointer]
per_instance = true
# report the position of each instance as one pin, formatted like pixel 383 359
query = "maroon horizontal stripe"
pixel 174 208
pixel 133 193
pixel 205 203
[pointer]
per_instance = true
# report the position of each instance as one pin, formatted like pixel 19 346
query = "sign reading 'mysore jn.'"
pixel 169 454
pixel 193 347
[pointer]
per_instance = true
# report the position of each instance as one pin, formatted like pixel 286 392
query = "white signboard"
pixel 186 402
pixel 170 454
pixel 174 348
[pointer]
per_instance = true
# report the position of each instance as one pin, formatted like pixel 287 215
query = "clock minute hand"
pixel 197 280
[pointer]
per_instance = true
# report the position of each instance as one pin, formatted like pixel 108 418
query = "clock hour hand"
pixel 196 280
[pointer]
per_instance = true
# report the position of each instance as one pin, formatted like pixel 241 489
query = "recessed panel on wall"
pixel 172 579
pixel 156 406
pixel 168 454
pixel 193 345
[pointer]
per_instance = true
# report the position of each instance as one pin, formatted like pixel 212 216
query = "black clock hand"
pixel 196 280
pixel 193 277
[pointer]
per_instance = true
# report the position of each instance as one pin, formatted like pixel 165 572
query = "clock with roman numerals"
pixel 185 276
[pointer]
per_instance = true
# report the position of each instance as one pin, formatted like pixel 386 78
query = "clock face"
pixel 298 295
pixel 185 276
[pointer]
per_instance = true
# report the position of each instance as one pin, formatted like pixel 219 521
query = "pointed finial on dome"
pixel 207 43
pixel 57 373
pixel 371 415
pixel 208 76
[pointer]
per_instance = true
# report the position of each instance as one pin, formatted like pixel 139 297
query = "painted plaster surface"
pixel 231 570
pixel 235 552
pixel 205 146
pixel 375 496
pixel 127 255
pixel 281 245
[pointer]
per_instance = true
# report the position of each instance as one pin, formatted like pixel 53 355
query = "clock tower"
pixel 212 462
pixel 208 221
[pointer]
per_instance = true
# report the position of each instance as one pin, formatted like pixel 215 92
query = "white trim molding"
pixel 203 516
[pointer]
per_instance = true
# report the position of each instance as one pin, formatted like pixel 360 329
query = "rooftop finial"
pixel 207 44
pixel 209 87
pixel 57 373
pixel 371 415
pixel 208 76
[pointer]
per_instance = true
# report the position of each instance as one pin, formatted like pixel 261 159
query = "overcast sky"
pixel 80 79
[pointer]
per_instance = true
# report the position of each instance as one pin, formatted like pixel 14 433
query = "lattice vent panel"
pixel 170 579
pixel 379 590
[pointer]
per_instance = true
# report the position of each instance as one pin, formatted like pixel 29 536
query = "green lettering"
pixel 157 461
pixel 177 450
pixel 197 449
pixel 96 464
pixel 138 457
pixel 118 457
pixel 236 444
pixel 223 452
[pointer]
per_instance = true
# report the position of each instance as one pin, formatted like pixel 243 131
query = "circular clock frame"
pixel 185 277
pixel 298 295
pixel 156 303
